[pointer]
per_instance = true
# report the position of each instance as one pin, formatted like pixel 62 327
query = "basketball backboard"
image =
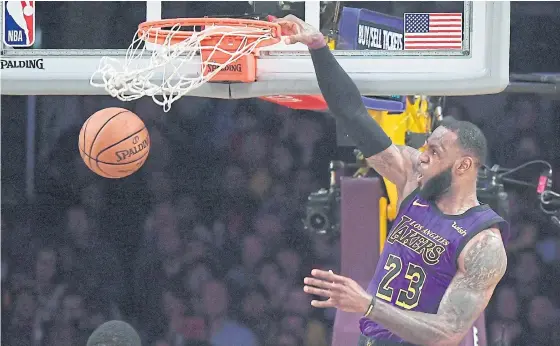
pixel 371 44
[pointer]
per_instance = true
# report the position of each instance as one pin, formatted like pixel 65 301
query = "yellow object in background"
pixel 414 119
pixel 382 222
pixel 331 42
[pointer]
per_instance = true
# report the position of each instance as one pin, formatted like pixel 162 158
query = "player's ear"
pixel 465 164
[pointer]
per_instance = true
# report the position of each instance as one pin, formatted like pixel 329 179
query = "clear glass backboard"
pixel 388 48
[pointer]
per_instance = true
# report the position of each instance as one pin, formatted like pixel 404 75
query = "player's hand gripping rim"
pixel 296 30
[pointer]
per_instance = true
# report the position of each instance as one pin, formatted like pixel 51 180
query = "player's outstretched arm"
pixel 345 103
pixel 482 264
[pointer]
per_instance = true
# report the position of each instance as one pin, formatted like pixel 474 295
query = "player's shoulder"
pixel 489 236
pixel 484 255
pixel 489 239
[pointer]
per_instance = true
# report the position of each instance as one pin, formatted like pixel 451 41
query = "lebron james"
pixel 445 253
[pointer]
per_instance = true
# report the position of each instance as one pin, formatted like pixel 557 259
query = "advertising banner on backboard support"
pixel 361 29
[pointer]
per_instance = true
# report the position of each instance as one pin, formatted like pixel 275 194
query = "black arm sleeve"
pixel 345 103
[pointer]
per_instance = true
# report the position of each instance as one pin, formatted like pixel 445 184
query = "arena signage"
pixel 361 29
pixel 376 36
pixel 27 64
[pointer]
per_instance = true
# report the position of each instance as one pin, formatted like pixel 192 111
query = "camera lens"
pixel 317 221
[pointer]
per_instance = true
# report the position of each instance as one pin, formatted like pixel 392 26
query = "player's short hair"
pixel 469 137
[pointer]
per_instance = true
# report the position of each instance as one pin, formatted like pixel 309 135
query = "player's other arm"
pixel 345 103
pixel 482 264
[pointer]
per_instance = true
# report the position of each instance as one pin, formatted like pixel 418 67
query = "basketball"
pixel 114 143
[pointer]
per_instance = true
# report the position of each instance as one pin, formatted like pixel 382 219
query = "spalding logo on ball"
pixel 114 143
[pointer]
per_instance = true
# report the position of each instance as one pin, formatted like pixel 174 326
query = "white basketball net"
pixel 163 72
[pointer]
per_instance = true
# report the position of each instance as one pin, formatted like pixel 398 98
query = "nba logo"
pixel 19 23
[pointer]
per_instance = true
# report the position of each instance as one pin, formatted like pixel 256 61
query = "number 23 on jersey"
pixel 416 276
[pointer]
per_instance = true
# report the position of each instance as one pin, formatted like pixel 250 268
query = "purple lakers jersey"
pixel 419 258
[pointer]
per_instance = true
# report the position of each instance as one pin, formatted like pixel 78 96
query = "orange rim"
pixel 157 32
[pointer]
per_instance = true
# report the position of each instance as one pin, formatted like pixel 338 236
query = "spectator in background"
pixel 159 185
pixel 525 235
pixel 527 274
pixel 308 137
pixel 269 227
pixel 61 335
pixel 158 144
pixel 96 266
pixel 314 331
pixel 164 269
pixel 187 211
pixel 197 275
pixel 22 319
pixel 255 312
pixel 458 111
pixel 197 250
pixel 528 147
pixel 294 325
pixel 252 252
pixel 283 160
pixel 253 151
pixel 49 291
pixel 290 263
pixel 542 314
pixel 74 316
pixel 223 330
pixel 287 339
pixel 71 325
pixel 548 248
pixel 275 285
pixel 18 240
pixel 506 326
pixel 234 204
pixel 175 310
pixel 523 119
pixel 92 198
pixel 524 112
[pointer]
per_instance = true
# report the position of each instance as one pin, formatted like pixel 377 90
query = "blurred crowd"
pixel 205 244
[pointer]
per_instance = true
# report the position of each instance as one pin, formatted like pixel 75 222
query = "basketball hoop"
pixel 227 48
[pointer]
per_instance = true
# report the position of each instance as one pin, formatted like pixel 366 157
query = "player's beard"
pixel 437 185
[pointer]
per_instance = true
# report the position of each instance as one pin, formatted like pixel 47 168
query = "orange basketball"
pixel 114 143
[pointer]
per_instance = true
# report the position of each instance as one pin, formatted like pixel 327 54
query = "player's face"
pixel 436 164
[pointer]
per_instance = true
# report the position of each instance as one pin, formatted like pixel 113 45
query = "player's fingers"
pixel 323 303
pixel 328 276
pixel 320 283
pixel 317 291
pixel 287 27
pixel 285 19
pixel 292 18
pixel 291 38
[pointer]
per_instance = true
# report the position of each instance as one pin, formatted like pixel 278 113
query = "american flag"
pixel 433 31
